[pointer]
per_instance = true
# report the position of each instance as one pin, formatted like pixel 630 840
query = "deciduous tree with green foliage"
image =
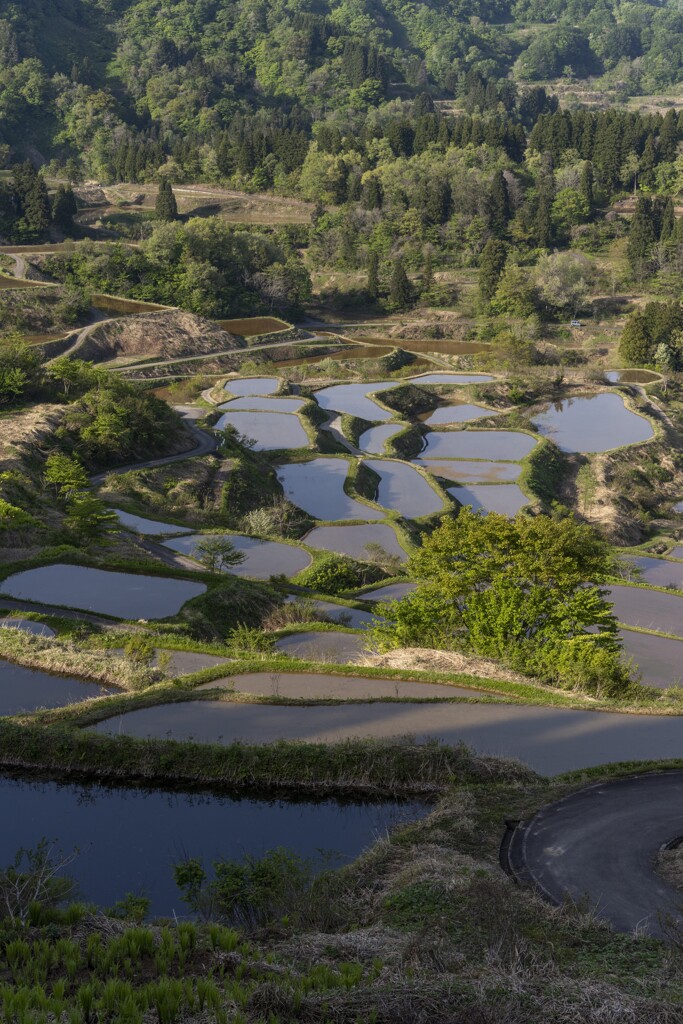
pixel 525 591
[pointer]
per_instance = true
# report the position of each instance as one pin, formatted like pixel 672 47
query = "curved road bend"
pixel 600 845
pixel 206 443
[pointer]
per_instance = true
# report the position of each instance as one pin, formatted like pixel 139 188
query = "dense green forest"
pixel 224 89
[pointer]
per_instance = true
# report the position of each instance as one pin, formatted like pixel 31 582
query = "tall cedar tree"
pixel 587 185
pixel 166 206
pixel 373 277
pixel 427 279
pixel 400 292
pixel 498 204
pixel 64 209
pixel 491 264
pixel 641 235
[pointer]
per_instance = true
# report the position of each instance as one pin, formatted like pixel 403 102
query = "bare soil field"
pixel 169 334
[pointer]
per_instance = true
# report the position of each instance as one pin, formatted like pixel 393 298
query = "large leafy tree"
pixel 515 590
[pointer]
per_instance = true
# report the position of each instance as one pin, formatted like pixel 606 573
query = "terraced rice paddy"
pixel 263 558
pixel 494 445
pixel 506 499
pixel 317 487
pixel 596 423
pixel 269 430
pixel 353 540
pixel 119 594
pixel 404 490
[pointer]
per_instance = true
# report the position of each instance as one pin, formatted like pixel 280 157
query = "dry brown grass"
pixel 443 661
pixel 63 657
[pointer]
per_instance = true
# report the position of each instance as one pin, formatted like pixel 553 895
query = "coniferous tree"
pixel 636 346
pixel 166 206
pixel 427 278
pixel 491 265
pixel 668 221
pixel 587 185
pixel 64 209
pixel 498 204
pixel 400 292
pixel 37 212
pixel 373 277
pixel 543 222
pixel 641 235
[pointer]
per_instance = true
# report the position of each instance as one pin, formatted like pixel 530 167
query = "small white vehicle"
pixel 576 323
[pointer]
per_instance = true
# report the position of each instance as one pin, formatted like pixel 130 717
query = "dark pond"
pixel 340 613
pixel 123 595
pixel 27 689
pixel 392 592
pixel 551 740
pixel 148 527
pixel 452 378
pixel 631 376
pixel 596 423
pixel 130 838
pixel 263 404
pixel 354 399
pixel 461 412
pixel 27 626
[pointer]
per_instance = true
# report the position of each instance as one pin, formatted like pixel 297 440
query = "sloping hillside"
pixel 170 334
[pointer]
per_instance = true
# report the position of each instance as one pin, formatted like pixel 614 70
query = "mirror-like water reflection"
pixel 241 386
pixel 263 558
pixel 507 499
pixel 148 527
pixel 318 488
pixel 404 490
pixel 27 689
pixel 123 595
pixel 464 471
pixel 130 838
pixel 353 540
pixel 269 430
pixel 374 439
pixel 478 444
pixel 596 423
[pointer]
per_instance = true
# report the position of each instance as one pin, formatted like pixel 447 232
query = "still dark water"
pixel 130 838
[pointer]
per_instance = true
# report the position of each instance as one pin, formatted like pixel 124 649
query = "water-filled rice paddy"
pixel 119 594
pixel 353 540
pixel 263 558
pixel 493 445
pixel 318 488
pixel 596 423
pixel 507 499
pixel 269 430
pixel 404 490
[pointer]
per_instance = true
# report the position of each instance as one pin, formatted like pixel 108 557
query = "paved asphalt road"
pixel 205 443
pixel 600 845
